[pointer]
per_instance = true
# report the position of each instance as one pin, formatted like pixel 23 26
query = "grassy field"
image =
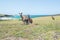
pixel 43 28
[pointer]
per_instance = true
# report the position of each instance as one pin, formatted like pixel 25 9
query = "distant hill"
pixel 5 15
pixel 57 14
pixel 53 15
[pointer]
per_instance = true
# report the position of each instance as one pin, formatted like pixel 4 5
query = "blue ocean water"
pixel 32 16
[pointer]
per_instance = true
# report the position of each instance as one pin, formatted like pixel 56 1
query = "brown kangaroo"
pixel 53 18
pixel 26 19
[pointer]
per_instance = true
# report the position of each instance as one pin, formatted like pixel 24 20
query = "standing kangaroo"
pixel 26 19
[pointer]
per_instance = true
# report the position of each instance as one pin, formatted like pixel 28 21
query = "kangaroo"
pixel 26 19
pixel 53 18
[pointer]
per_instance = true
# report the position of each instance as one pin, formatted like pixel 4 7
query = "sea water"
pixel 32 16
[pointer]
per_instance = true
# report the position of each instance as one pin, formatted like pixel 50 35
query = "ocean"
pixel 32 16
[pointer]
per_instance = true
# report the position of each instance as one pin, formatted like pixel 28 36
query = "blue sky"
pixel 37 7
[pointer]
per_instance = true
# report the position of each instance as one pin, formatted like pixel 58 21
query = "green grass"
pixel 42 28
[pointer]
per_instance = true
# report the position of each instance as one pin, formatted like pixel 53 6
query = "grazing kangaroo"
pixel 53 18
pixel 26 19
